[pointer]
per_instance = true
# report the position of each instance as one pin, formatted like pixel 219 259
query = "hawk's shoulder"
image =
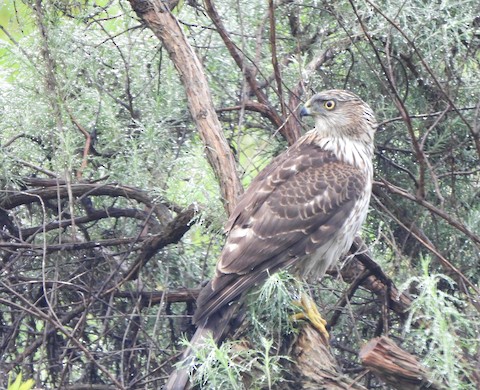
pixel 295 205
pixel 302 163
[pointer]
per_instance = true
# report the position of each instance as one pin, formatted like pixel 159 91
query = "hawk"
pixel 301 212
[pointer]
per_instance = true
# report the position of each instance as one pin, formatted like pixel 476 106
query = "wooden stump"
pixel 314 365
pixel 395 366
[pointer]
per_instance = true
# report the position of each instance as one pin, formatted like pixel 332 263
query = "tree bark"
pixel 395 366
pixel 315 367
pixel 159 19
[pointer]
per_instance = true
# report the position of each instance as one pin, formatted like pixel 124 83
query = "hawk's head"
pixel 343 114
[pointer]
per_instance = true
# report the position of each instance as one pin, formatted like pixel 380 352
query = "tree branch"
pixel 277 120
pixel 172 233
pixel 160 20
pixel 395 366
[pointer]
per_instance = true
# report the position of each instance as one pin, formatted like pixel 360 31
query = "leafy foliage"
pixel 227 366
pixel 445 333
pixel 109 210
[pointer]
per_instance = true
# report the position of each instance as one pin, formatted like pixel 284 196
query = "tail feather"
pixel 217 326
pixel 179 379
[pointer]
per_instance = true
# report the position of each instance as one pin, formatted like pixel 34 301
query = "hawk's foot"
pixel 310 312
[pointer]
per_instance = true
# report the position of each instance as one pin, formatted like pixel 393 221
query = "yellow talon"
pixel 310 312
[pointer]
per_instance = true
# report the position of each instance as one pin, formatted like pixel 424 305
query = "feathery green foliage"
pixel 444 335
pixel 233 364
pixel 81 301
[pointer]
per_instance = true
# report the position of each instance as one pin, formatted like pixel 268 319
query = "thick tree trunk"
pixel 159 19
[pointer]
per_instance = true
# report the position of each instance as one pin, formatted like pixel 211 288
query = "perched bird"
pixel 301 212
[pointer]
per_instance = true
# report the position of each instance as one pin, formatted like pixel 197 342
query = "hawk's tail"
pixel 179 379
pixel 217 326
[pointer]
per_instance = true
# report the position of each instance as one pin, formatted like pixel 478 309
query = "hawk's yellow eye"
pixel 329 104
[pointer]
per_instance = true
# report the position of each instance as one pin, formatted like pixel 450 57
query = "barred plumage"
pixel 301 212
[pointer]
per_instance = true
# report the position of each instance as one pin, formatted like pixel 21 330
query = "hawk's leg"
pixel 310 312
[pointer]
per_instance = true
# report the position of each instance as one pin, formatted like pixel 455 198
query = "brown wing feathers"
pixel 302 211
pixel 290 209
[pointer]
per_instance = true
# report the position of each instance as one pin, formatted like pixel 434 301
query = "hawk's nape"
pixel 301 212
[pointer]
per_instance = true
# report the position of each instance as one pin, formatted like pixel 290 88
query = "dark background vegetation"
pixel 112 205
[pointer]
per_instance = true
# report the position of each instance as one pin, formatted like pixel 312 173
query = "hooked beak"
pixel 304 111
